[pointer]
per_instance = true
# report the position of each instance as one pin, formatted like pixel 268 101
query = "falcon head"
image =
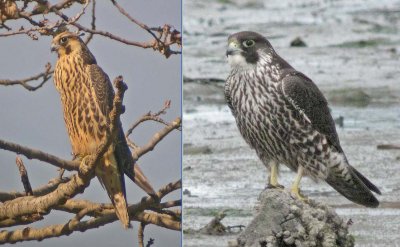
pixel 245 48
pixel 65 43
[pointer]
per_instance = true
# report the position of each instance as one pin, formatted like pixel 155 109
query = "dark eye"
pixel 63 40
pixel 249 43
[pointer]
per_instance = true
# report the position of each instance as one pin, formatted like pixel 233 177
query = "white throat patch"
pixel 237 61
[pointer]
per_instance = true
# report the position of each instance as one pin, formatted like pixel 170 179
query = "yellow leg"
pixel 295 190
pixel 273 177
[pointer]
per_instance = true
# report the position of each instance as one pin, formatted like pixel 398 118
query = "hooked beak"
pixel 54 47
pixel 233 48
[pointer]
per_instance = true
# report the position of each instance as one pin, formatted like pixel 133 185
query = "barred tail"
pixel 110 177
pixel 349 182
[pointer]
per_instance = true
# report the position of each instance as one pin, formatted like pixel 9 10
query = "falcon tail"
pixel 110 177
pixel 349 182
pixel 140 180
pixel 123 156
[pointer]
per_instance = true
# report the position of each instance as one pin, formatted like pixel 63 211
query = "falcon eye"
pixel 63 40
pixel 249 43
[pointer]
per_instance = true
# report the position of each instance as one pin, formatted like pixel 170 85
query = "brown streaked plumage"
pixel 87 95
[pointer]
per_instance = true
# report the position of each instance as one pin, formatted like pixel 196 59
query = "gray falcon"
pixel 284 117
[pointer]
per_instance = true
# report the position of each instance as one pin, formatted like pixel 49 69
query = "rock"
pixel 362 43
pixel 187 192
pixel 194 150
pixel 188 168
pixel 388 146
pixel 215 227
pixel 349 96
pixel 284 221
pixel 298 42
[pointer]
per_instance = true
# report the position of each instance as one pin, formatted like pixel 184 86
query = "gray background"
pixel 35 119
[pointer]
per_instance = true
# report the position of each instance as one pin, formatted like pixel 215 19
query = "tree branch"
pixel 141 233
pixel 51 186
pixel 24 176
pixel 46 75
pixel 39 155
pixel 103 213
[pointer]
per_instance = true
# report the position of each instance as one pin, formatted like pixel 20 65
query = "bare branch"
pixel 157 138
pixel 103 213
pixel 51 186
pixel 170 204
pixel 93 23
pixel 22 220
pixel 141 233
pixel 29 233
pixel 46 75
pixel 24 176
pixel 140 24
pixel 42 7
pixel 162 47
pixel 149 116
pixel 39 155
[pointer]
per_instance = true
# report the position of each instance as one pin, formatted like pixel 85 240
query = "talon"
pixel 77 157
pixel 295 190
pixel 296 193
pixel 83 166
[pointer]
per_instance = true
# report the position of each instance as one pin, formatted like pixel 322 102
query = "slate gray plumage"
pixel 284 117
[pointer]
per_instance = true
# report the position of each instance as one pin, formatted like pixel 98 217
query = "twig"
pixel 140 24
pixel 157 138
pixel 150 242
pixel 44 8
pixel 150 44
pixel 24 176
pixel 150 116
pixel 93 23
pixel 162 46
pixel 46 75
pixel 30 233
pixel 170 204
pixel 141 233
pixel 104 214
pixel 51 186
pixel 39 155
pixel 79 15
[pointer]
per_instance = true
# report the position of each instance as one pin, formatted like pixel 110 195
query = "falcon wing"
pixel 304 95
pixel 104 96
pixel 102 88
pixel 310 104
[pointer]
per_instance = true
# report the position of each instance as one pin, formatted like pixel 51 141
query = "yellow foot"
pixel 77 157
pixel 295 192
pixel 84 164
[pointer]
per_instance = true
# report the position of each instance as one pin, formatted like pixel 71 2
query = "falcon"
pixel 285 118
pixel 87 97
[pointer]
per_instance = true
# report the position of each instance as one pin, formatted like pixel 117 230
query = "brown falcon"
pixel 284 117
pixel 87 95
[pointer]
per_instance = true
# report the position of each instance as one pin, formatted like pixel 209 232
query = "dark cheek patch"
pixel 68 49
pixel 251 57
